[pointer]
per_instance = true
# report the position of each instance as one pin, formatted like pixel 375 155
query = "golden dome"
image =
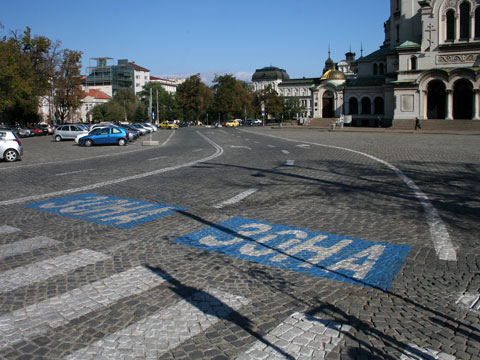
pixel 333 75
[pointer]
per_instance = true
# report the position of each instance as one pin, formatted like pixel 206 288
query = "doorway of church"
pixel 436 100
pixel 327 101
pixel 463 100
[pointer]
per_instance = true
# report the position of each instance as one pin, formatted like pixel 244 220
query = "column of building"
pixel 449 104
pixel 476 104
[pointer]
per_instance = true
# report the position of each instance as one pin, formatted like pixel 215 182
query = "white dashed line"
pixel 304 145
pixel 197 150
pixel 74 172
pixel 271 146
pixel 240 147
pixel 438 231
pixel 158 158
pixel 300 336
pixel 285 152
pixel 235 199
pixel 290 162
pixel 39 318
pixel 155 335
pixel 470 301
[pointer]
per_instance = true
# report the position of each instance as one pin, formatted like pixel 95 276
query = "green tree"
pixel 67 84
pixel 193 97
pixel 231 97
pixel 23 76
pixel 167 108
pixel 272 101
pixel 293 107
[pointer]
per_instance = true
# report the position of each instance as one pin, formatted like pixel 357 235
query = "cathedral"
pixel 428 67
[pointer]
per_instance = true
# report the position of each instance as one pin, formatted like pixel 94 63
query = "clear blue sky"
pixel 184 37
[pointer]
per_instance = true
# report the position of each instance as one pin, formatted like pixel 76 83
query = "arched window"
pixel 477 22
pixel 353 104
pixel 413 63
pixel 366 106
pixel 382 69
pixel 450 25
pixel 465 20
pixel 375 69
pixel 378 107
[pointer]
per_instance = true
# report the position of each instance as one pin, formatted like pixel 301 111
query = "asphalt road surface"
pixel 250 243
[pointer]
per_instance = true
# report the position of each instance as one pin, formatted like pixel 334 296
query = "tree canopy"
pixel 194 98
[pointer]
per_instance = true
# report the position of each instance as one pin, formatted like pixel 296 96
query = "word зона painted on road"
pixel 341 258
pixel 106 210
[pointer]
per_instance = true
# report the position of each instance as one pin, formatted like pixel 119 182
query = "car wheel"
pixel 58 138
pixel 121 142
pixel 10 155
pixel 88 142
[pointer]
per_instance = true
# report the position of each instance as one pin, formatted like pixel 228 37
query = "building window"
pixel 382 69
pixel 397 33
pixel 378 106
pixel 413 63
pixel 366 106
pixel 477 22
pixel 397 5
pixel 465 20
pixel 353 105
pixel 137 77
pixel 375 69
pixel 450 25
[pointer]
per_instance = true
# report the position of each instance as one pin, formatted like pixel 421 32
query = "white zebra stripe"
pixel 300 336
pixel 164 330
pixel 38 318
pixel 5 229
pixel 42 270
pixel 27 245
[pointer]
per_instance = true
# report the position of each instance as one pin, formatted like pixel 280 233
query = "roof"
pixel 96 94
pixel 365 81
pixel 379 54
pixel 270 73
pixel 138 67
pixel 334 75
pixel 301 81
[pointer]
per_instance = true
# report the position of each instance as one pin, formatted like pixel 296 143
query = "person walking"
pixel 417 124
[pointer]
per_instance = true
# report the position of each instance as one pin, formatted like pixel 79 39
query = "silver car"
pixel 10 146
pixel 64 132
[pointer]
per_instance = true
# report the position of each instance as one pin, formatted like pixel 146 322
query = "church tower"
pixel 404 23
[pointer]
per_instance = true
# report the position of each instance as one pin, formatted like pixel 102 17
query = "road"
pixel 248 243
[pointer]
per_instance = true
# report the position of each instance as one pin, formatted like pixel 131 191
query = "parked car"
pixel 77 138
pixel 133 133
pixel 68 132
pixel 140 128
pixel 184 124
pixel 106 135
pixel 168 125
pixel 152 127
pixel 10 145
pixel 22 132
pixel 232 123
pixel 253 122
pixel 37 130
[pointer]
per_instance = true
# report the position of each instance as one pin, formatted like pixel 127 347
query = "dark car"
pixel 105 135
pixel 133 133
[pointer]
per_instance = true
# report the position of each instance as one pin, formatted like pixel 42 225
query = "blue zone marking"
pixel 106 210
pixel 342 258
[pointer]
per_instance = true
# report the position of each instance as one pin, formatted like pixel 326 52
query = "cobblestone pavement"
pixel 251 243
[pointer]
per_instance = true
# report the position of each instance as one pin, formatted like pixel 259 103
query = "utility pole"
pixel 150 106
pixel 158 116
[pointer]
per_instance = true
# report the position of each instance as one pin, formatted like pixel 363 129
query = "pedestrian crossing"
pixel 149 336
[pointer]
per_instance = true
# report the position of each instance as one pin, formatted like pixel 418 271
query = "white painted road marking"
pixel 157 158
pixel 300 336
pixel 5 229
pixel 155 335
pixel 197 150
pixel 414 352
pixel 438 231
pixel 304 145
pixel 235 199
pixel 285 151
pixel 39 318
pixel 240 147
pixel 27 245
pixel 469 301
pixel 218 152
pixel 271 146
pixel 73 172
pixel 42 270
pixel 290 162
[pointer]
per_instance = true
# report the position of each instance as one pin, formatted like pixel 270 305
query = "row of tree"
pixel 35 71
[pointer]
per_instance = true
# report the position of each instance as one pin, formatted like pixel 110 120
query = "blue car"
pixel 105 135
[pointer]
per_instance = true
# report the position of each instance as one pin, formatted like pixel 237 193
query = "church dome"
pixel 270 73
pixel 334 75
